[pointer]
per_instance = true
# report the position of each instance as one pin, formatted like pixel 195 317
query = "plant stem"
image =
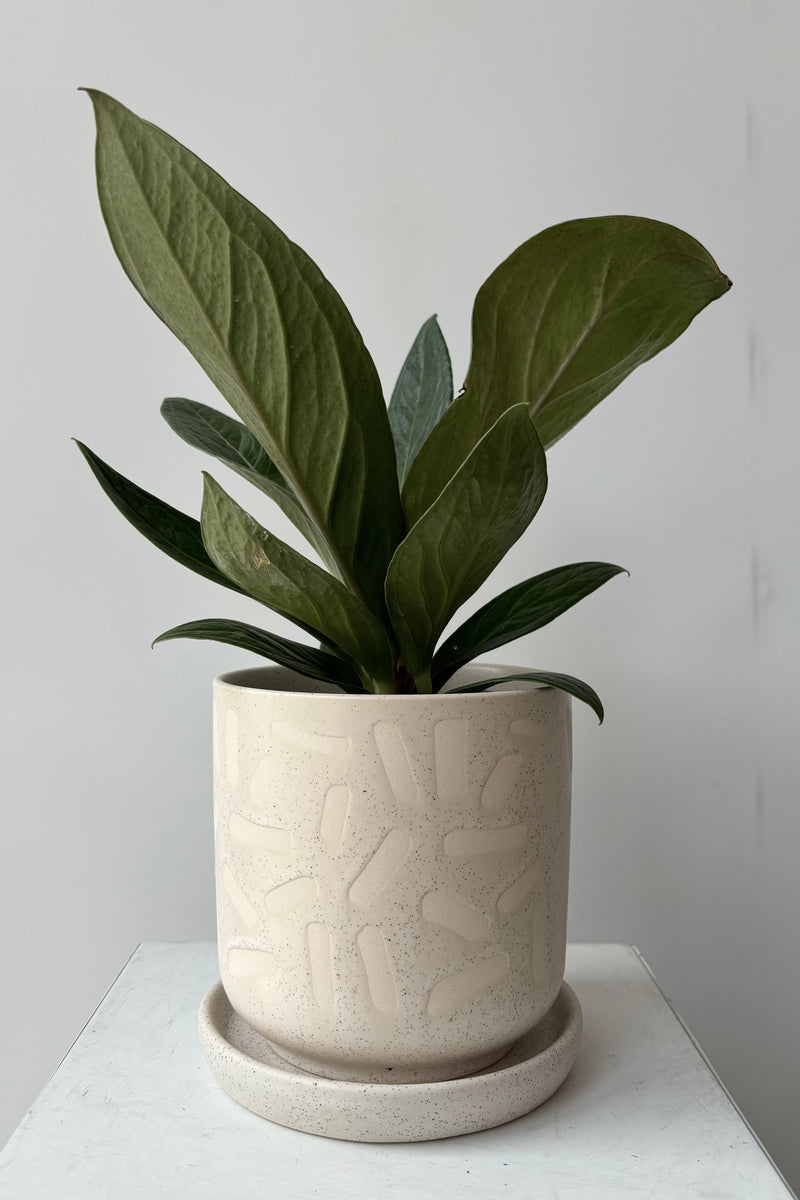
pixel 404 682
pixel 423 684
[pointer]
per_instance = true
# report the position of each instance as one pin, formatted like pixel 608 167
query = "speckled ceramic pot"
pixel 391 870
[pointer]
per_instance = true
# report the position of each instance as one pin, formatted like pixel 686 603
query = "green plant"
pixel 408 510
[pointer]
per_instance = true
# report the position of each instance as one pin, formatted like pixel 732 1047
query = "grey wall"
pixel 409 147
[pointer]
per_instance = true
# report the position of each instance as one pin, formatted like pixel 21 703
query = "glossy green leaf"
pixel 276 575
pixel 305 660
pixel 565 683
pixel 214 432
pixel 462 537
pixel 560 324
pixel 423 392
pixel 520 610
pixel 267 328
pixel 172 531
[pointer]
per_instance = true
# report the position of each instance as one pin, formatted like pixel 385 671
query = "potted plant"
pixel 392 823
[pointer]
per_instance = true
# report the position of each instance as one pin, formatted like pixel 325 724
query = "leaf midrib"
pixel 236 452
pixel 564 396
pixel 407 460
pixel 299 490
pixel 601 310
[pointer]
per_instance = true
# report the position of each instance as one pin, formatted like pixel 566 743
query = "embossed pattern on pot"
pixel 378 968
pixel 335 808
pixel 295 893
pixel 245 909
pixel 517 895
pixel 396 762
pixel 380 869
pixel 498 787
pixel 468 842
pixel 259 837
pixel 453 914
pixel 450 751
pixel 411 942
pixel 319 956
pixel 305 739
pixel 456 990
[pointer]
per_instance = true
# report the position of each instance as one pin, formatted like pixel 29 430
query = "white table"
pixel 133 1112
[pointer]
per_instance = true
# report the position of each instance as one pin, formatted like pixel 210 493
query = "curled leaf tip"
pixel 93 94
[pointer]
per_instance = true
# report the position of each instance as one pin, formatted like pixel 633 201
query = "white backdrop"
pixel 409 147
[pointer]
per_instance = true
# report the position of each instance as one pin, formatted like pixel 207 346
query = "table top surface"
pixel 134 1112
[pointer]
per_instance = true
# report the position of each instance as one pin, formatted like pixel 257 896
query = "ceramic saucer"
pixel 252 1073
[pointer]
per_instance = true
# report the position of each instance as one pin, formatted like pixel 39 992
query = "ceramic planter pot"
pixel 391 871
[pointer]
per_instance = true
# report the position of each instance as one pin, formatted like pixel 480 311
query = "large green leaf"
pixel 172 531
pixel 231 442
pixel 519 610
pixel 267 328
pixel 276 575
pixel 560 324
pixel 565 683
pixel 424 390
pixel 462 537
pixel 305 660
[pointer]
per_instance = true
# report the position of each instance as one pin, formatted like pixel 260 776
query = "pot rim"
pixel 472 672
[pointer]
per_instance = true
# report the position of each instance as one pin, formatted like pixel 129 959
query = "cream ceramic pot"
pixel 391 870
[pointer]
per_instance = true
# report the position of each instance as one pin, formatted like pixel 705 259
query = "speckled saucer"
pixel 250 1071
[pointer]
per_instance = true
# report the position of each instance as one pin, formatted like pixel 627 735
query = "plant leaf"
pixel 519 610
pixel 276 575
pixel 177 534
pixel 305 660
pixel 265 326
pixel 560 324
pixel 456 544
pixel 424 390
pixel 565 683
pixel 205 428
